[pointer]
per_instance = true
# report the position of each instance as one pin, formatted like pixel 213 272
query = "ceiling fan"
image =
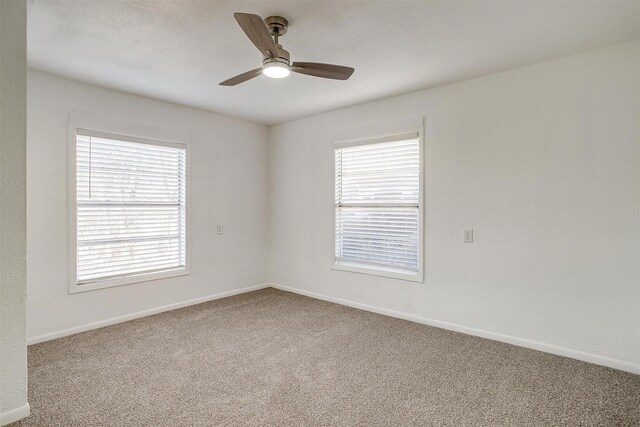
pixel 275 63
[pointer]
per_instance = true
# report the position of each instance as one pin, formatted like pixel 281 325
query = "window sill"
pixel 378 271
pixel 142 277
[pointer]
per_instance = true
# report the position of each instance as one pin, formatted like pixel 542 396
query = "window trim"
pixel 372 135
pixel 87 125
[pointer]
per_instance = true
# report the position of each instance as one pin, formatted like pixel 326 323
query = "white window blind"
pixel 130 207
pixel 378 204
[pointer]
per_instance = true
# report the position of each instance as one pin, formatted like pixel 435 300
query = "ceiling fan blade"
pixel 242 77
pixel 257 31
pixel 327 71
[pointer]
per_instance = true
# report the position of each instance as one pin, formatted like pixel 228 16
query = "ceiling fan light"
pixel 275 70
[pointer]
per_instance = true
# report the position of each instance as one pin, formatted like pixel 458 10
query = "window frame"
pixel 378 134
pixel 123 132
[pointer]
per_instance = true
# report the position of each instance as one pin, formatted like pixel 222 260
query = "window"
pixel 378 211
pixel 130 211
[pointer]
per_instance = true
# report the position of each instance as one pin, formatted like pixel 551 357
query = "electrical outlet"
pixel 220 230
pixel 468 236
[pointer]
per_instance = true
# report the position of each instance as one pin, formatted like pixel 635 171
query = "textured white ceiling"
pixel 180 50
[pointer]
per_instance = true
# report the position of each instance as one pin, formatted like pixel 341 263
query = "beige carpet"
pixel 275 358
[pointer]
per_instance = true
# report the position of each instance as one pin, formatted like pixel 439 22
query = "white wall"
pixel 543 162
pixel 13 97
pixel 228 186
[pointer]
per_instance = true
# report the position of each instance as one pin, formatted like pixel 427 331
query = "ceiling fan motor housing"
pixel 283 56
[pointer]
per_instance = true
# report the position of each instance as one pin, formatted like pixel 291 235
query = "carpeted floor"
pixel 275 358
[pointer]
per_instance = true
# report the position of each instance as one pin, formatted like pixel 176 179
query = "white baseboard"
pixel 139 314
pixel 521 342
pixel 14 415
